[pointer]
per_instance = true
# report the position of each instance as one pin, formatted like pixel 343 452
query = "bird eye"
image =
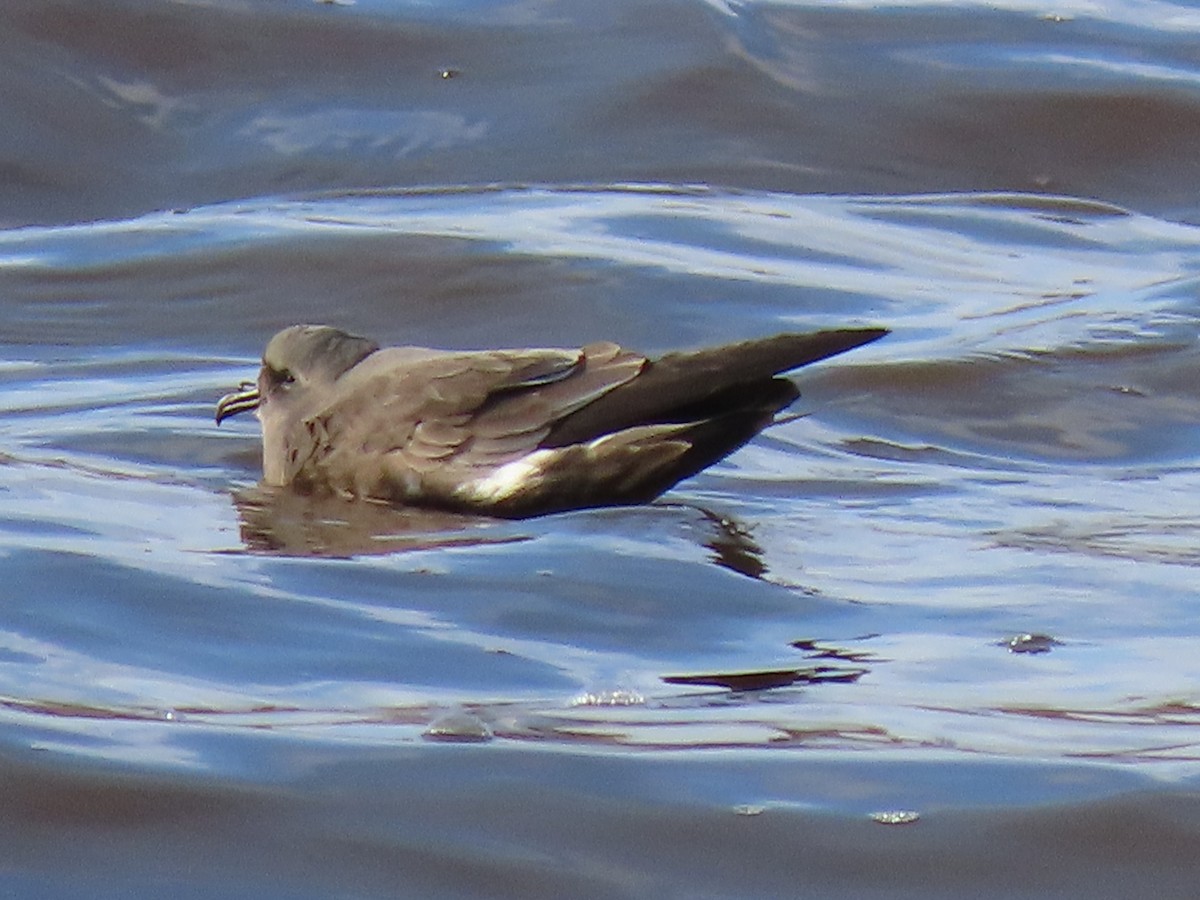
pixel 280 377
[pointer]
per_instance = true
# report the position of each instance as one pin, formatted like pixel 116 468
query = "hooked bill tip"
pixel 241 401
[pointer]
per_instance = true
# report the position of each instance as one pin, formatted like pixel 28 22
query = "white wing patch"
pixel 509 479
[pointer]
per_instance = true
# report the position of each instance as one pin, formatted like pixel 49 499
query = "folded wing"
pixel 415 427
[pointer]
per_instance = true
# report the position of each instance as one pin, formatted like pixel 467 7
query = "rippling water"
pixel 962 583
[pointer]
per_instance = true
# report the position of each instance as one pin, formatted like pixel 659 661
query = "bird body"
pixel 512 433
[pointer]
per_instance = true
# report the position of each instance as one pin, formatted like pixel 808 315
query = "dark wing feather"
pixel 698 384
pixel 605 366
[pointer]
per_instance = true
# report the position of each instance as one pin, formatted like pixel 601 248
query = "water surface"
pixel 961 583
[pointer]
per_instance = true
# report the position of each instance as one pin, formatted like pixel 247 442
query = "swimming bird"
pixel 512 433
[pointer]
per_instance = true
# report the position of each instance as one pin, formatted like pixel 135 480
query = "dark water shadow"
pixel 766 679
pixel 769 678
pixel 732 545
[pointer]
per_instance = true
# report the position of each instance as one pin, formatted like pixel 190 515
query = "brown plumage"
pixel 513 433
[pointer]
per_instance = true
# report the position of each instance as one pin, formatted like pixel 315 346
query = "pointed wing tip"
pixel 816 346
pixel 869 334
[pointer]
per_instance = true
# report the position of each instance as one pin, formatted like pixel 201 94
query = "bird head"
pixel 295 360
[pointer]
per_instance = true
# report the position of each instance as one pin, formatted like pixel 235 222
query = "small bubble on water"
pixel 619 697
pixel 749 809
pixel 1031 643
pixel 895 817
pixel 458 726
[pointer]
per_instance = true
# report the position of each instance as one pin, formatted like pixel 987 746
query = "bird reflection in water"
pixel 286 522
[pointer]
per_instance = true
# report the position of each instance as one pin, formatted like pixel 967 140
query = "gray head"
pixel 296 359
